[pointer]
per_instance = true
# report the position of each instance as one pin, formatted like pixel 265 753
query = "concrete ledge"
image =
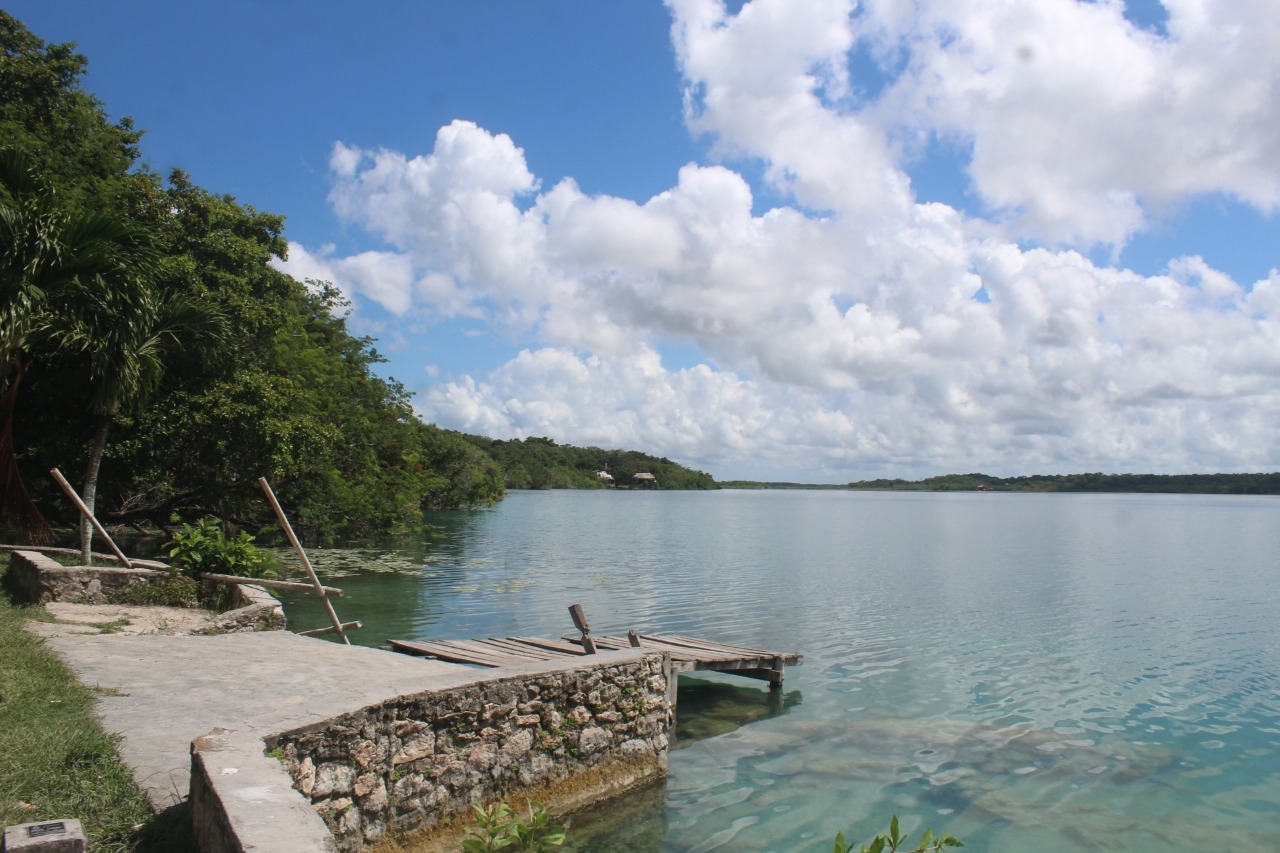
pixel 243 800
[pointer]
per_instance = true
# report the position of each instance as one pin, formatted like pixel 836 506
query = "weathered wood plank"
pixel 478 652
pixel 409 647
pixel 710 644
pixel 686 654
pixel 267 582
pixel 791 659
pixel 535 652
pixel 320 632
pixel 557 646
pixel 455 654
pixel 675 649
pixel 505 647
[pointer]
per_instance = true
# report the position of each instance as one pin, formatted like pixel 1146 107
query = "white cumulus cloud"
pixel 860 330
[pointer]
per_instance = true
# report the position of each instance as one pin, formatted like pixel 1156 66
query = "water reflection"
pixel 709 708
pixel 636 823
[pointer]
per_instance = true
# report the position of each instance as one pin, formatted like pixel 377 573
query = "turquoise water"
pixel 1055 673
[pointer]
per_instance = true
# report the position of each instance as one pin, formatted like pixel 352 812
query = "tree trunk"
pixel 91 484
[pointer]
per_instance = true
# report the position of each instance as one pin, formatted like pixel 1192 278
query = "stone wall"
pixel 36 578
pixel 39 579
pixel 568 733
pixel 253 609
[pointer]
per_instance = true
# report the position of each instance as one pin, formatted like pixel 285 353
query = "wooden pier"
pixel 687 653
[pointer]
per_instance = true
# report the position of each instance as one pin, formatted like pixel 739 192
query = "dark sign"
pixel 37 830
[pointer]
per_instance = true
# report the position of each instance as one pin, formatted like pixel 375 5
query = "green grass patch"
pixel 55 760
pixel 175 591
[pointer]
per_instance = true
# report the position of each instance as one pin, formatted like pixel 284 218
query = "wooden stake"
pixel 84 510
pixel 302 555
pixel 580 622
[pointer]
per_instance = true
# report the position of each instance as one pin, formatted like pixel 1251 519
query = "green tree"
pixel 60 127
pixel 294 397
pixel 57 268
pixel 127 350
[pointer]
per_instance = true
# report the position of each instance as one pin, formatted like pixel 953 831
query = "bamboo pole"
pixel 84 510
pixel 302 555
pixel 267 582
pixel 320 632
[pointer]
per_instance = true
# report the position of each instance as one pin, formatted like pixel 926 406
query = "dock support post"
pixel 580 622
pixel 673 686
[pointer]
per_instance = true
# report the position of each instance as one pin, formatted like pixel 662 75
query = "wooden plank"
pixel 773 676
pixel 788 659
pixel 320 632
pixel 480 653
pixel 674 649
pixel 516 646
pixel 506 647
pixel 409 647
pixel 695 641
pixel 452 653
pixel 267 582
pixel 564 648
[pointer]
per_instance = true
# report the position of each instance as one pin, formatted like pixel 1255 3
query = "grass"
pixel 56 761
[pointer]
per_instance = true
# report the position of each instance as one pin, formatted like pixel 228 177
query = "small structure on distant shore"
pixel 605 477
pixel 646 480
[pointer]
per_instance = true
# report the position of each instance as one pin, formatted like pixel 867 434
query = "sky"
pixel 815 241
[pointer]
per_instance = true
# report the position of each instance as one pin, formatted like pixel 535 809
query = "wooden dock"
pixel 687 653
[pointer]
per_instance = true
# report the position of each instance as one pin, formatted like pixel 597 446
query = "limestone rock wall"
pixel 568 734
pixel 39 579
pixel 36 578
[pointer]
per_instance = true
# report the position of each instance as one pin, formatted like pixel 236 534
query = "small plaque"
pixel 40 830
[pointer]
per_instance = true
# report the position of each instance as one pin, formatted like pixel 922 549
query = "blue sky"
pixel 813 241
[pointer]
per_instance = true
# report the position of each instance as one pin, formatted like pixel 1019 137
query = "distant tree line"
pixel 1206 484
pixel 540 463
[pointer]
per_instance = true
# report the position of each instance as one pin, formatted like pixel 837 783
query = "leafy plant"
pixel 501 828
pixel 892 840
pixel 205 548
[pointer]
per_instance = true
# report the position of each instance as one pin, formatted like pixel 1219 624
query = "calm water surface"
pixel 1054 673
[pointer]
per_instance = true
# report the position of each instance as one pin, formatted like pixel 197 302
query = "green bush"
pixel 889 842
pixel 206 548
pixel 500 828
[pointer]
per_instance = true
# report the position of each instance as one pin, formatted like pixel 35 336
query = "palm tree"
pixel 54 264
pixel 127 345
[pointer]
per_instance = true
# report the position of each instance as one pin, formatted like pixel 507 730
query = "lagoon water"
pixel 1045 672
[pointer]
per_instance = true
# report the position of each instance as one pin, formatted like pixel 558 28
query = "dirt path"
pixel 118 619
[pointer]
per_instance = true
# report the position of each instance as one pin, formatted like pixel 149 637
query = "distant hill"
pixel 540 463
pixel 1205 484
pixel 755 484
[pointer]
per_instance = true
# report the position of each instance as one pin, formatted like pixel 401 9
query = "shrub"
pixel 500 828
pixel 205 548
pixel 889 842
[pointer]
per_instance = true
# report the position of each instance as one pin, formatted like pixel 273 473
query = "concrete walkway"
pixel 161 692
